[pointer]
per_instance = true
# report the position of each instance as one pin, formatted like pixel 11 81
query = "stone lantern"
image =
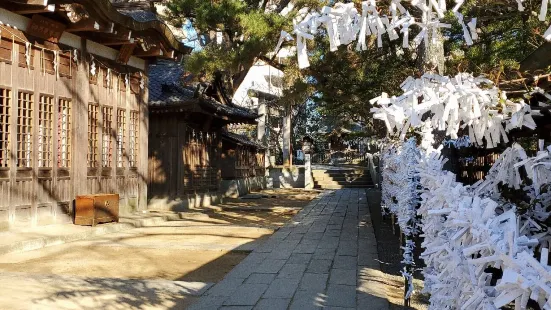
pixel 308 149
pixel 307 145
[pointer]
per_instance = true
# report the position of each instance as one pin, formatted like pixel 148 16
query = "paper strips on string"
pixel 345 24
pixel 454 103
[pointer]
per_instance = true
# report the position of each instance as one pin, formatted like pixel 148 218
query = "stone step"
pixel 324 183
pixel 342 186
pixel 340 174
pixel 343 178
pixel 363 171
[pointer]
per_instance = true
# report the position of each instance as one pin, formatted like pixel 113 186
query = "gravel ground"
pixel 390 256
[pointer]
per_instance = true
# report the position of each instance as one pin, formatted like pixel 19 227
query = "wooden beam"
pixel 155 51
pixel 91 25
pixel 125 53
pixel 120 36
pixel 168 53
pixel 107 41
pixel 31 2
pixel 122 32
pixel 23 9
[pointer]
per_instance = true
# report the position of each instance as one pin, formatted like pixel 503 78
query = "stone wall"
pixel 240 187
pixel 185 203
pixel 285 177
pixel 227 188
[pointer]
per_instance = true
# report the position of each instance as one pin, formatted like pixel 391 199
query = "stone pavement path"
pixel 326 257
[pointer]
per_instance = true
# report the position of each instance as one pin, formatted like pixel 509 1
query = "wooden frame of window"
pixel 21 53
pixel 107 137
pixel 133 135
pixel 122 82
pixel 65 64
pixel 47 61
pixel 6 47
pixel 45 130
pixel 5 129
pixel 64 133
pixel 93 79
pixel 135 83
pixel 104 74
pixel 121 135
pixel 93 113
pixel 24 130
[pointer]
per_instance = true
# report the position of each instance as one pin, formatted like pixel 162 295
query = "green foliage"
pixel 339 85
pixel 506 37
pixel 248 33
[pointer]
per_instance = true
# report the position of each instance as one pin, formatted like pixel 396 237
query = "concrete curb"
pixel 42 242
pixel 91 232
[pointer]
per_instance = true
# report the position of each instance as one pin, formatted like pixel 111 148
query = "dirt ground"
pixel 199 248
pixel 276 207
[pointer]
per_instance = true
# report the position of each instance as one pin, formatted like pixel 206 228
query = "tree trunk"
pixel 431 57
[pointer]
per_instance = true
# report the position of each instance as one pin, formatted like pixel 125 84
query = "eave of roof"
pixel 167 94
pixel 233 112
pixel 105 10
pixel 240 139
pixel 205 106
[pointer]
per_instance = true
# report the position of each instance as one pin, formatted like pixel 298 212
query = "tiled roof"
pixel 165 89
pixel 142 16
pixel 163 80
pixel 240 139
pixel 235 111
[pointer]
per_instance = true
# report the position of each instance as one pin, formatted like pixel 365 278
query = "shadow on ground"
pixel 162 267
pixel 390 256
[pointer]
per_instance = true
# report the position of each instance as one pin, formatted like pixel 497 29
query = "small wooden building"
pixel 241 157
pixel 73 104
pixel 186 142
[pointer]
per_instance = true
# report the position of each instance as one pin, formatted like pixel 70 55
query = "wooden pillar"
pixel 143 146
pixel 81 97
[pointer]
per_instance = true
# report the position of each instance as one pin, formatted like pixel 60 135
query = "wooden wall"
pixel 241 161
pixel 39 175
pixel 182 160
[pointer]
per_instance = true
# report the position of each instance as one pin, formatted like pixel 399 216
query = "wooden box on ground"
pixel 94 209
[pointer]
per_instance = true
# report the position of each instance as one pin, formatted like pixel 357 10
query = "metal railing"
pixel 332 158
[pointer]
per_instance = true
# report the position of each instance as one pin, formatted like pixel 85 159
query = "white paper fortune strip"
pixel 344 23
pixel 471 230
pixel 454 103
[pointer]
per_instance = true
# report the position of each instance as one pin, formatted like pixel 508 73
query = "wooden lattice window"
pixel 106 145
pixel 92 135
pixel 45 129
pixel 5 110
pixel 64 133
pixel 23 55
pixel 24 129
pixel 133 138
pixel 121 132
pixel 6 46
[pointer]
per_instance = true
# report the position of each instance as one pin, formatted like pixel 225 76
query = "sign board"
pixel 125 53
pixel 45 28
